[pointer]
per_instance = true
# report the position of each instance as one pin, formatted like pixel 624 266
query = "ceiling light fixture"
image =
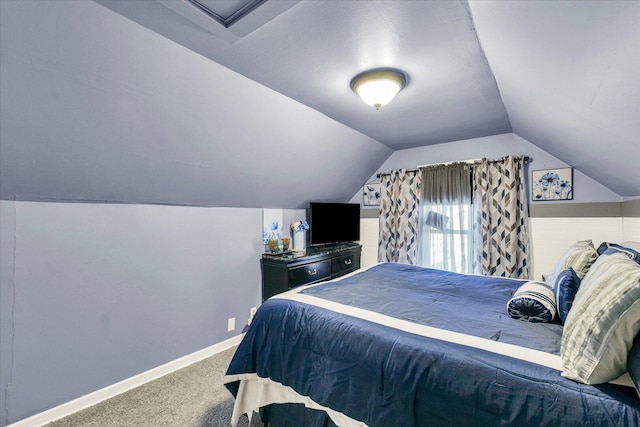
pixel 378 87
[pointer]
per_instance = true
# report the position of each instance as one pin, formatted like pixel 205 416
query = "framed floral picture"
pixel 371 195
pixel 552 184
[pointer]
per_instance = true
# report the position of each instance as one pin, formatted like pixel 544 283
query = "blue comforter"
pixel 382 375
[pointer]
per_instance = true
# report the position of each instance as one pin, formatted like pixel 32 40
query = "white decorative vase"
pixel 299 241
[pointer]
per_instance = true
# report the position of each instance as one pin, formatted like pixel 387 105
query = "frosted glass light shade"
pixel 378 87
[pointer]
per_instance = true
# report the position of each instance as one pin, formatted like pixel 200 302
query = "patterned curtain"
pixel 399 213
pixel 502 240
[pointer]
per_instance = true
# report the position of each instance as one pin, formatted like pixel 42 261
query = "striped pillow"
pixel 603 321
pixel 580 256
pixel 533 302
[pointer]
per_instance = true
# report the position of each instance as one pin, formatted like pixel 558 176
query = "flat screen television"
pixel 333 222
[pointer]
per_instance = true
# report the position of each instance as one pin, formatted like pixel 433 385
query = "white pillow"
pixel 603 321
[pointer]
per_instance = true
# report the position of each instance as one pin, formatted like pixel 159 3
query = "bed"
pixel 403 345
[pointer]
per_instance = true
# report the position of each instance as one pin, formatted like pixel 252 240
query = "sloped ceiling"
pixel 566 71
pixel 311 51
pixel 569 75
pixel 97 107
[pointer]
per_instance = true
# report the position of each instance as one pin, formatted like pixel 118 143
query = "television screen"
pixel 334 222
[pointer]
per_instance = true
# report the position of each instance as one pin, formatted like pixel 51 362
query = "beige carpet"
pixel 191 397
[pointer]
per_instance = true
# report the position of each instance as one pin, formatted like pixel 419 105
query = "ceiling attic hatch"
pixel 227 12
pixel 227 20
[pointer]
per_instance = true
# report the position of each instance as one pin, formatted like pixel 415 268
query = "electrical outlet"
pixel 252 313
pixel 231 324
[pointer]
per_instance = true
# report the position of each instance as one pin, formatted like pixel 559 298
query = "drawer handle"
pixel 312 272
pixel 347 261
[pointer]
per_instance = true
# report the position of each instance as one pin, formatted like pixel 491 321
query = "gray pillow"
pixel 603 321
pixel 580 256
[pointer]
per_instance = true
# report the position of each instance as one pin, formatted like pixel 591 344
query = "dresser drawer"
pixel 345 264
pixel 309 273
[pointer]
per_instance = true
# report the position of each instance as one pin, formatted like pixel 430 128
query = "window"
pixel 446 241
pixel 446 238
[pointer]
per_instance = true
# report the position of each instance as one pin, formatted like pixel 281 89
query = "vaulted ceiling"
pixel 563 75
pixel 567 72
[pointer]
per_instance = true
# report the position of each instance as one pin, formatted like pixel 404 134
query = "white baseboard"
pixel 98 396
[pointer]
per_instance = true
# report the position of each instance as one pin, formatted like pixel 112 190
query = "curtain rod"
pixel 470 161
pixel 379 174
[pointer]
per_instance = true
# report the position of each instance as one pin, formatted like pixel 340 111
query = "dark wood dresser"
pixel 283 271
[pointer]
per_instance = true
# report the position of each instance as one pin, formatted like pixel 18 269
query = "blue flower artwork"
pixel 371 195
pixel 552 184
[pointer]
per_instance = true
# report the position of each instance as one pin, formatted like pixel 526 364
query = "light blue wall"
pixel 7 301
pixel 493 147
pixel 96 293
